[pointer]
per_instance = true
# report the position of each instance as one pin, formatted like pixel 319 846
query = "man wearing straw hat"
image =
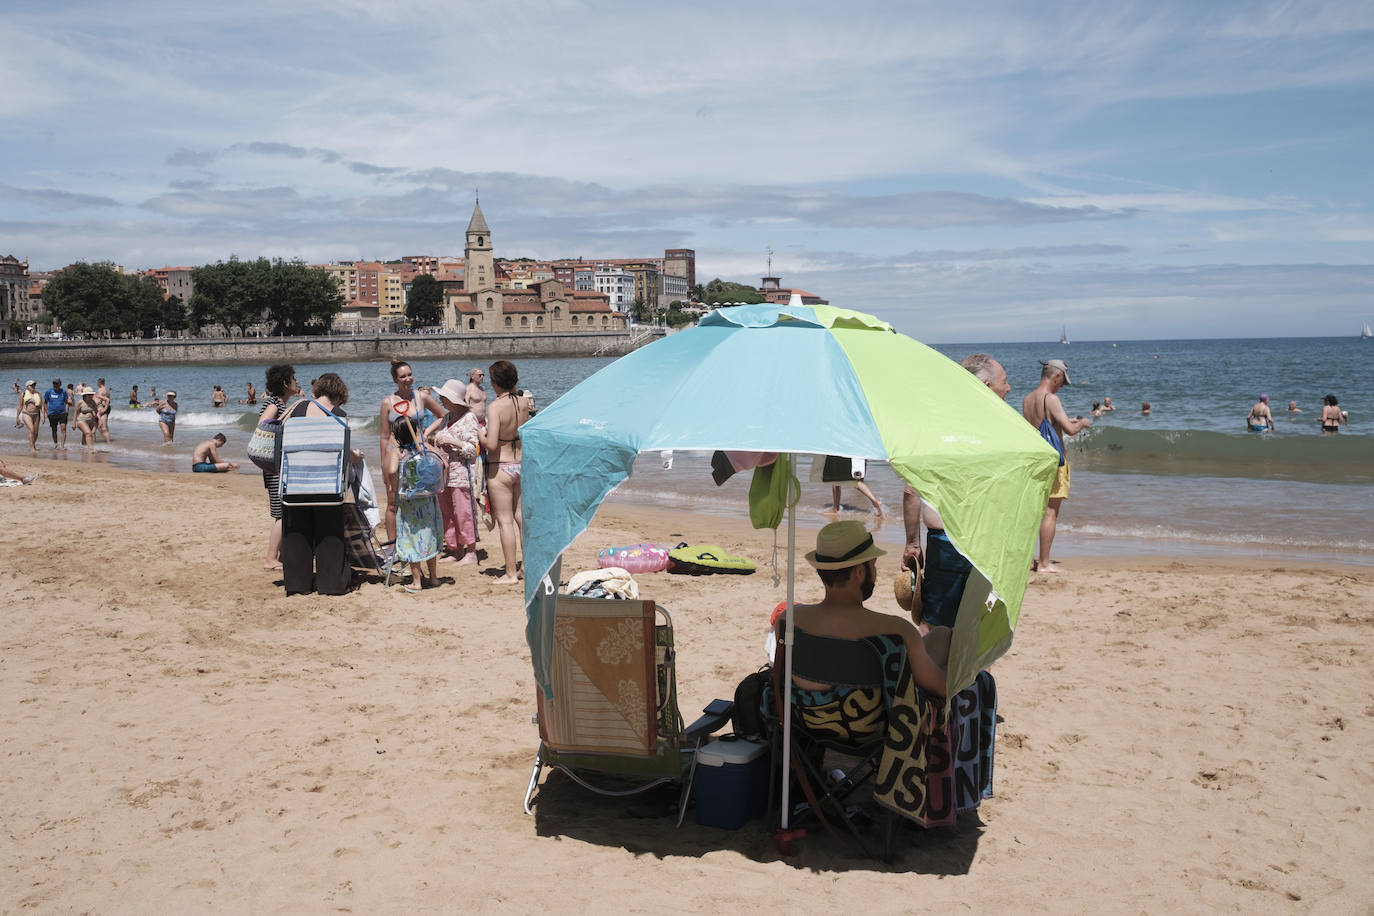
pixel 845 558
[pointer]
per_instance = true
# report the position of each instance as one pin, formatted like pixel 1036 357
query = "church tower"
pixel 478 270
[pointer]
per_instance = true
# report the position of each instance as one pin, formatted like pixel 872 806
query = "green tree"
pixel 676 317
pixel 174 315
pixel 426 297
pixel 88 299
pixel 640 311
pixel 301 299
pixel 719 291
pixel 227 293
pixel 698 293
pixel 144 306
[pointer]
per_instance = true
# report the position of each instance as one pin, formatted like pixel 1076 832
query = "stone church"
pixel 483 306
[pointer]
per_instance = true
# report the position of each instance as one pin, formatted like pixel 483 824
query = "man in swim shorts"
pixel 946 569
pixel 1260 419
pixel 205 459
pixel 55 407
pixel 1043 410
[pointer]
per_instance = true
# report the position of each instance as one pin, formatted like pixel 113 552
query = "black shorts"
pixel 57 419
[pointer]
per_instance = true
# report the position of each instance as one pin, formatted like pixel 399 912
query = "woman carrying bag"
pixel 281 388
pixel 314 544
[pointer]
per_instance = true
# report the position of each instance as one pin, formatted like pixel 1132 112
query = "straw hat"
pixel 906 587
pixel 453 391
pixel 840 545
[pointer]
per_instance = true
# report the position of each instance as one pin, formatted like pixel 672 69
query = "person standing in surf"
pixel 1043 410
pixel 1332 416
pixel 1260 419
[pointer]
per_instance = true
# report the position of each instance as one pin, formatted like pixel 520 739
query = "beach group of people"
pixel 88 408
pixel 450 455
pixel 1261 419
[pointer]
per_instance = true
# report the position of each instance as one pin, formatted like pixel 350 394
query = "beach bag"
pixel 773 490
pixel 746 719
pixel 420 475
pixel 262 447
pixel 313 457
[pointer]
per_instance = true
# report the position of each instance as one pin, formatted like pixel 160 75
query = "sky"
pixel 968 172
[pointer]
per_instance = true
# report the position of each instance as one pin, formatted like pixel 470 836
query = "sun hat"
pixel 840 545
pixel 1058 364
pixel 171 394
pixel 30 382
pixel 453 391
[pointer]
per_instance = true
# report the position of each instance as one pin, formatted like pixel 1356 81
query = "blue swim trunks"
pixel 206 467
pixel 943 586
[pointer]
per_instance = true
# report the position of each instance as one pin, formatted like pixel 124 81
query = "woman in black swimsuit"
pixel 1332 416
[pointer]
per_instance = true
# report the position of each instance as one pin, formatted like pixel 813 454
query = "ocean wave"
pixel 1218 538
pixel 148 416
pixel 1311 457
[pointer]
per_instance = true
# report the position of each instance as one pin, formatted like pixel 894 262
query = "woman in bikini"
pixel 30 412
pixel 1332 416
pixel 405 393
pixel 501 438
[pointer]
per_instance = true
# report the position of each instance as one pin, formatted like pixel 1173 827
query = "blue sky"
pixel 968 172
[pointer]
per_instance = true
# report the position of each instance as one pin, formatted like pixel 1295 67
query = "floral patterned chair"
pixel 613 724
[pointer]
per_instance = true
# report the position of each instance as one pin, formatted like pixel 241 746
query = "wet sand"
pixel 1176 735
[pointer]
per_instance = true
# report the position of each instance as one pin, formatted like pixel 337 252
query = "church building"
pixel 482 306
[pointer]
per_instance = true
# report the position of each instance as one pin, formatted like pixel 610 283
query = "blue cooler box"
pixel 732 783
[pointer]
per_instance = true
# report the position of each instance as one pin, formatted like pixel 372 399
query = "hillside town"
pixel 481 293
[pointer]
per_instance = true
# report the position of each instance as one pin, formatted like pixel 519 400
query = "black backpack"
pixel 747 717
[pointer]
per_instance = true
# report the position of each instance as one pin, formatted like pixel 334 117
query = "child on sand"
pixel 418 523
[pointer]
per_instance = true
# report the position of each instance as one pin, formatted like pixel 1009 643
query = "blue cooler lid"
pixel 719 753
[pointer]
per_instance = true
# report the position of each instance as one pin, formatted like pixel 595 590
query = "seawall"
pixel 324 349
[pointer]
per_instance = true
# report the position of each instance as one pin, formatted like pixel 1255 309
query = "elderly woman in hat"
pixel 456 437
pixel 167 416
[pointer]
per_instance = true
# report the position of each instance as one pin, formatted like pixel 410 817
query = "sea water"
pixel 1188 478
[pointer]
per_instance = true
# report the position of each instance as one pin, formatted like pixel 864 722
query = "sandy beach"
pixel 1177 735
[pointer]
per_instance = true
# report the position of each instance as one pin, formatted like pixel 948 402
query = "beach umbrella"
pixel 801 380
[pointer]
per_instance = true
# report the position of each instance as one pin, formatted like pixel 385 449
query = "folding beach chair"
pixel 613 723
pixel 854 728
pixel 367 552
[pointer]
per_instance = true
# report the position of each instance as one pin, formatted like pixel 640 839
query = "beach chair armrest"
pixel 714 717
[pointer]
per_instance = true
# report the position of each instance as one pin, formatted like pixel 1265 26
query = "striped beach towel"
pixel 314 459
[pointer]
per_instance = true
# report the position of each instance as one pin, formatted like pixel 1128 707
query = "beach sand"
pixel 1177 735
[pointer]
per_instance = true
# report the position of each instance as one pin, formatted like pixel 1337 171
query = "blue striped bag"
pixel 313 453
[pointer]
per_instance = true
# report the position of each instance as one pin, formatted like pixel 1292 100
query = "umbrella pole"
pixel 786 685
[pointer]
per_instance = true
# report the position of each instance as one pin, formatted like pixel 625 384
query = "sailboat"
pixel 1365 333
pixel 1064 333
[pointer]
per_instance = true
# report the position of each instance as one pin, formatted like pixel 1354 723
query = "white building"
pixel 618 286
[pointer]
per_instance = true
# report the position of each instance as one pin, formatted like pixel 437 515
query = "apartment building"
pixel 175 281
pixel 681 262
pixel 618 286
pixel 346 275
pixel 16 309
